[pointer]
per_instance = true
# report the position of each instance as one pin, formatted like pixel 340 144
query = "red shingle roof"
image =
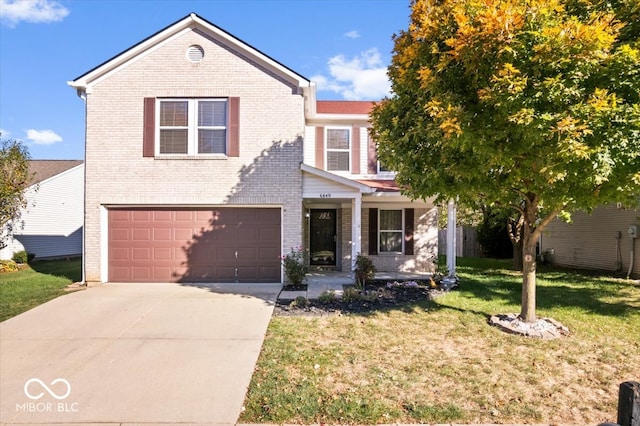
pixel 381 185
pixel 344 107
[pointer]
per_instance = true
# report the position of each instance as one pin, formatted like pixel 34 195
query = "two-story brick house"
pixel 206 160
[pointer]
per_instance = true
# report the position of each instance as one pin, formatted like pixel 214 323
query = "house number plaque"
pixel 325 195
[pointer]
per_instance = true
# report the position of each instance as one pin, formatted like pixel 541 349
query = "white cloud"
pixel 43 137
pixel 361 77
pixel 352 34
pixel 35 11
pixel 4 133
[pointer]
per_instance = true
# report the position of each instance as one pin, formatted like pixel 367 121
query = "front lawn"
pixel 439 361
pixel 38 283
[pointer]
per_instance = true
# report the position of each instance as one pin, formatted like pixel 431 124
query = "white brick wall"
pixel 271 132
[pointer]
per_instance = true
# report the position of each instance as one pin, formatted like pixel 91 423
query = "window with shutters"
pixel 338 149
pixel 192 127
pixel 391 231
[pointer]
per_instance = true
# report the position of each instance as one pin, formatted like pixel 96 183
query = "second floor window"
pixel 192 126
pixel 338 149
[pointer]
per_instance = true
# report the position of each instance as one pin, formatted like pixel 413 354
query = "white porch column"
pixel 451 238
pixel 356 227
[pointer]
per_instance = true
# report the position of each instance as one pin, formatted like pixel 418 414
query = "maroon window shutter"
pixel 149 132
pixel 320 147
pixel 233 127
pixel 355 150
pixel 408 231
pixel 373 231
pixel 372 157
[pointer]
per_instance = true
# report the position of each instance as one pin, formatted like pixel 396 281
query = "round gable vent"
pixel 195 53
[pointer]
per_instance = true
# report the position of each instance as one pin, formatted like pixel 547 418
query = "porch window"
pixel 192 126
pixel 391 231
pixel 338 149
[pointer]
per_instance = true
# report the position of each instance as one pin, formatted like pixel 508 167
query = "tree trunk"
pixel 515 229
pixel 517 255
pixel 528 312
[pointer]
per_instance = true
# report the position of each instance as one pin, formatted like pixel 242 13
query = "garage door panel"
pixel 269 233
pixel 183 216
pixel 141 274
pixel 141 254
pixel 266 254
pixel 119 235
pixel 160 215
pixel 141 216
pixel 142 234
pixel 162 253
pixel 160 234
pixel 194 244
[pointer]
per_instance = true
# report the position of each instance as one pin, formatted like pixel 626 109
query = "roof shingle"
pixel 44 169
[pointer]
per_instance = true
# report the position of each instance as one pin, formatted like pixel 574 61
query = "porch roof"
pixel 380 185
pixel 332 180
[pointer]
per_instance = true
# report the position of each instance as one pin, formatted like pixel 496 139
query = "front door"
pixel 323 237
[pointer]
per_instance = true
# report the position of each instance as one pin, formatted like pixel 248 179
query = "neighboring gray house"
pixel 51 224
pixel 600 240
pixel 206 160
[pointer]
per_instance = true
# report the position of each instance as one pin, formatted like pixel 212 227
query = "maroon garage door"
pixel 194 245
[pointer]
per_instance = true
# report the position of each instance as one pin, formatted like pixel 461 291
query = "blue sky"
pixel 342 45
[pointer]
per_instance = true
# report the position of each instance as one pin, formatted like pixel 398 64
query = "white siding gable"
pixel 52 221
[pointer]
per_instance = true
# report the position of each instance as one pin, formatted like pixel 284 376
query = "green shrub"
pixel 369 296
pixel 23 257
pixel 327 297
pixel 295 265
pixel 299 302
pixel 365 270
pixel 350 294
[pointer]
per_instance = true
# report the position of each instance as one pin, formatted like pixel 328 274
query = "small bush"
pixel 8 266
pixel 351 294
pixel 299 302
pixel 369 296
pixel 23 257
pixel 295 265
pixel 327 297
pixel 365 270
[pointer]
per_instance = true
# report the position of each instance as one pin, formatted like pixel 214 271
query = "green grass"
pixel 38 283
pixel 440 362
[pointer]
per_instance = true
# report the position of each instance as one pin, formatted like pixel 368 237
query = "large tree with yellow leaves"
pixel 532 104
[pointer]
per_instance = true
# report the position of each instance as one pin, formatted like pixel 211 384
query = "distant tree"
pixel 532 105
pixel 14 180
pixel 493 234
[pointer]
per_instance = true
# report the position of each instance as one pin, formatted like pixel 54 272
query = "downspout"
pixel 82 94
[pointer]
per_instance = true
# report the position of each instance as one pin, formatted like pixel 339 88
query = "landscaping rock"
pixel 543 328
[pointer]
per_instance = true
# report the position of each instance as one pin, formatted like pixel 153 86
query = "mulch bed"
pixel 385 298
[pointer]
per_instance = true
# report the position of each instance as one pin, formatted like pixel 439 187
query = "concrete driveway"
pixel 134 353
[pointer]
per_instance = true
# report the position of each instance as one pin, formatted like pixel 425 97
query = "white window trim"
pixel 327 149
pixel 384 172
pixel 192 128
pixel 383 253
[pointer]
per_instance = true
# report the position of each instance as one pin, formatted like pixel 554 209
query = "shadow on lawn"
pixel 555 289
pixel 67 268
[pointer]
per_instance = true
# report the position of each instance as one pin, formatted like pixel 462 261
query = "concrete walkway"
pixel 134 353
